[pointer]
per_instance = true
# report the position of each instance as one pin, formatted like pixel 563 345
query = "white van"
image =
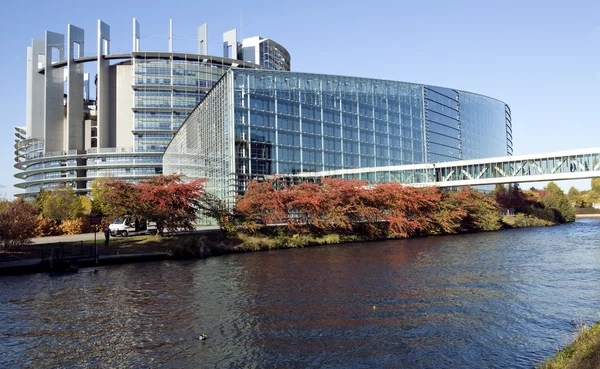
pixel 125 227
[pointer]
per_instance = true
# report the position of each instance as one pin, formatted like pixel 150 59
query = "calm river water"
pixel 492 300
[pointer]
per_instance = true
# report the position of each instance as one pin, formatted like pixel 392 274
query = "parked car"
pixel 126 227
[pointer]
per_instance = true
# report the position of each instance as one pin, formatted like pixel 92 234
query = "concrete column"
pixel 230 41
pixel 203 39
pixel 36 59
pixel 102 86
pixel 136 35
pixel 170 35
pixel 75 124
pixel 54 94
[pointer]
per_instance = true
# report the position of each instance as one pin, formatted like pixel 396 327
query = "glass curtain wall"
pixel 165 92
pixel 278 123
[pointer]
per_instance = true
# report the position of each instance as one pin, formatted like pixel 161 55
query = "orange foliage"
pixel 169 201
pixel 263 203
pixel 45 227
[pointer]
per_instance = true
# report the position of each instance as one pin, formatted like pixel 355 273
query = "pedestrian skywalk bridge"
pixel 554 166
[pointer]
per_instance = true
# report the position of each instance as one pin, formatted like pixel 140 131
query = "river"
pixel 507 299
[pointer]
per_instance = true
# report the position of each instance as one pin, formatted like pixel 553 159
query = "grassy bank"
pixel 583 353
pixel 216 244
pixel 524 221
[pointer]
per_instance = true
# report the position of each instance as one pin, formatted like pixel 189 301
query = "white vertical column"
pixel 75 124
pixel 136 36
pixel 230 40
pixel 102 95
pixel 203 39
pixel 54 94
pixel 36 59
pixel 86 86
pixel 170 35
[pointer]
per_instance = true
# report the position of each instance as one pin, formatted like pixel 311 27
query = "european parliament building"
pixel 230 118
pixel 254 124
pixel 72 136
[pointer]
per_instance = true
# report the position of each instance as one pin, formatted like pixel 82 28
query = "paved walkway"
pixel 90 236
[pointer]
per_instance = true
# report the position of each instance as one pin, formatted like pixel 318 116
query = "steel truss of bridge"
pixel 554 166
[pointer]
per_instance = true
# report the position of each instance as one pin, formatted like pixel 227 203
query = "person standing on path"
pixel 106 235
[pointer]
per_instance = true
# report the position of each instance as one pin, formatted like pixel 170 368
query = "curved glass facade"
pixel 287 123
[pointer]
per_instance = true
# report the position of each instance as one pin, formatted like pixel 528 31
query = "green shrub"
pixel 256 243
pixel 189 246
pixel 524 220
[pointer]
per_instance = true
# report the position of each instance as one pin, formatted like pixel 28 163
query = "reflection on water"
pixel 497 300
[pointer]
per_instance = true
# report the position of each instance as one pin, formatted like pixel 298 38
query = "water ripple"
pixel 490 300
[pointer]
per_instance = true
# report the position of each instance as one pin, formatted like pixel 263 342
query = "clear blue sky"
pixel 540 57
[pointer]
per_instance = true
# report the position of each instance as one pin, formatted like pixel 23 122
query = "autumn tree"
pixel 39 200
pixel 556 200
pixel 212 206
pixel 61 204
pixel 344 204
pixel 17 223
pixel 263 202
pixel 589 198
pixel 596 185
pixel 575 197
pixel 448 214
pixel 407 210
pixel 99 191
pixel 169 201
pixel 116 198
pixel 511 198
pixel 482 213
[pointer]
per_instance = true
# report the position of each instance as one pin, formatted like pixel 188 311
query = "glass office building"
pixel 258 123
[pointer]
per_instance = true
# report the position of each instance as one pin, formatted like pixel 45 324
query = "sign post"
pixel 95 221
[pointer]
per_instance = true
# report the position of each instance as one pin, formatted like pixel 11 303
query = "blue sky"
pixel 540 57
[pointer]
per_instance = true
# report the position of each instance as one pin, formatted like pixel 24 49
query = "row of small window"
pixel 124 160
pixel 45 186
pixel 331 134
pixel 311 125
pixel 175 94
pixel 198 71
pixel 359 89
pixel 333 163
pixel 51 175
pixel 158 126
pixel 53 164
pixel 165 104
pixel 123 172
pixel 142 117
pixel 329 100
pixel 313 110
pixel 200 83
pixel 267 151
pixel 188 103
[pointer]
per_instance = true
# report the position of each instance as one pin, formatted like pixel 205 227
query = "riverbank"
pixel 587 215
pixel 34 258
pixel 582 353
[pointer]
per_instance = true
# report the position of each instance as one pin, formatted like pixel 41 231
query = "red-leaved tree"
pixel 169 201
pixel 263 202
pixel 17 223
